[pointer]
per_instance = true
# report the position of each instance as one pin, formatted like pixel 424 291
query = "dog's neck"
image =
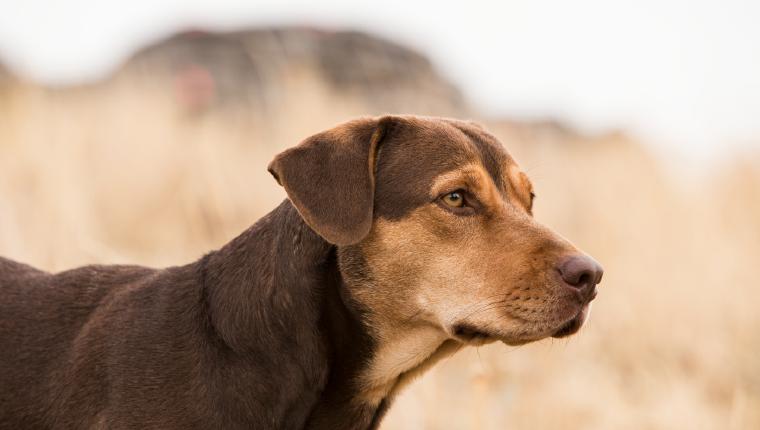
pixel 266 281
pixel 279 279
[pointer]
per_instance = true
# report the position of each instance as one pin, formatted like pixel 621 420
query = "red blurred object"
pixel 195 88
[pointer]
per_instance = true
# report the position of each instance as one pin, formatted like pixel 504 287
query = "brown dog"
pixel 403 239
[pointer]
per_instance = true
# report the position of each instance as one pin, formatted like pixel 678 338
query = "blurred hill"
pixel 252 69
pixel 167 158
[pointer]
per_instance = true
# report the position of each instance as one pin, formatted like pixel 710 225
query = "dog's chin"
pixel 475 336
pixel 571 327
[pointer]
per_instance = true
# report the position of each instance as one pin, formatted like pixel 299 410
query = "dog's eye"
pixel 454 199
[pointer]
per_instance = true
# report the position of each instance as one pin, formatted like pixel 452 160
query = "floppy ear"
pixel 330 178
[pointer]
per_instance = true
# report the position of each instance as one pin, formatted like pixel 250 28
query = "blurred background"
pixel 139 132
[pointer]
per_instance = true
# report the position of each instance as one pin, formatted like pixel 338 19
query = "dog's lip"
pixel 573 325
pixel 466 333
pixel 478 336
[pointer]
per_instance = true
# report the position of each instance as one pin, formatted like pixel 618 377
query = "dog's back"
pixel 42 318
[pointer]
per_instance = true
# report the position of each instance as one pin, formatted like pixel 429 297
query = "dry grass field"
pixel 119 173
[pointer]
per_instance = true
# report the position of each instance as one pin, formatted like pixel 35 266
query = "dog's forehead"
pixel 497 162
pixel 423 149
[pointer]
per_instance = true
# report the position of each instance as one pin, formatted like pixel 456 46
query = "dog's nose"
pixel 581 272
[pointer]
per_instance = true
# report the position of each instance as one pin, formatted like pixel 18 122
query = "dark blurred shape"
pixel 6 83
pixel 379 68
pixel 254 68
pixel 202 69
pixel 5 76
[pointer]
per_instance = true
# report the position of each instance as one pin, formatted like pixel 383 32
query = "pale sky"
pixel 685 74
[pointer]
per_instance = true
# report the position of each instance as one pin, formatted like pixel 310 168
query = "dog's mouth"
pixel 472 335
pixel 571 327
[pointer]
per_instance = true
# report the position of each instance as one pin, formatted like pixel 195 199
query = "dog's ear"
pixel 330 178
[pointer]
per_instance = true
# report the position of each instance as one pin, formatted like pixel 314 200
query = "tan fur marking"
pixel 472 177
pixel 520 185
pixel 397 362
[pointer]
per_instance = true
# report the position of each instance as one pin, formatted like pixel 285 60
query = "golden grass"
pixel 117 174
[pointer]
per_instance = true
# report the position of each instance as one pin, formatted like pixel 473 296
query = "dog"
pixel 402 240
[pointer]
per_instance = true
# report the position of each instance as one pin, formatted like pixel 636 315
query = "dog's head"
pixel 433 223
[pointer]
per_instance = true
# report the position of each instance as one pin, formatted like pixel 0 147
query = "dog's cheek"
pixel 386 268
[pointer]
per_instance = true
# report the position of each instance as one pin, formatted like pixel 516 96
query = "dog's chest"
pixel 400 359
